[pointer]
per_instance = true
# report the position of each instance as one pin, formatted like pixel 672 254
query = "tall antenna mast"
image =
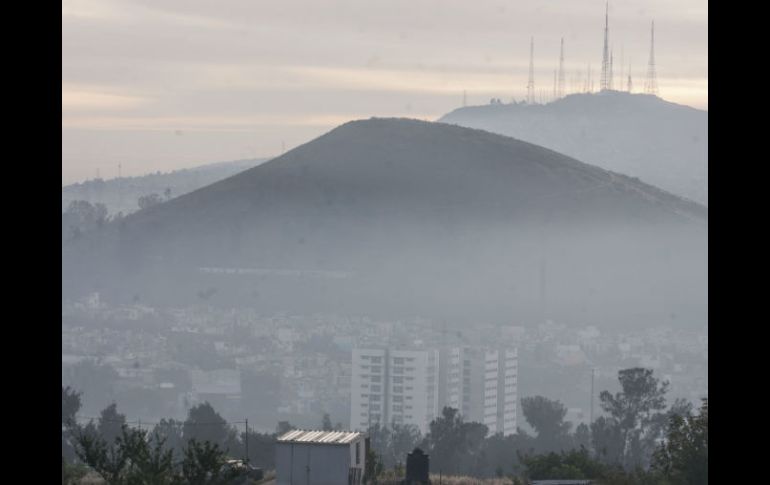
pixel 651 83
pixel 610 84
pixel 630 84
pixel 590 82
pixel 560 90
pixel 554 85
pixel 604 81
pixel 620 84
pixel 531 82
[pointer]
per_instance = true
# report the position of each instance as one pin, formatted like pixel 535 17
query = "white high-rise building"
pixel 413 386
pixel 481 383
pixel 500 390
pixel 393 386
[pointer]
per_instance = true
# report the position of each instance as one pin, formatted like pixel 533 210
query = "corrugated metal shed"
pixel 319 437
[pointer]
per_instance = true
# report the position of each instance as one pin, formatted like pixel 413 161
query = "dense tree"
pixel 82 216
pixel 71 473
pixel 582 437
pixel 70 405
pixel 404 438
pixel 453 444
pixel 110 424
pixel 283 427
pixel 374 466
pixel 546 416
pixel 635 413
pixel 445 441
pixel 108 460
pixel 204 424
pixel 572 465
pixel 261 449
pixel 683 457
pixel 607 440
pixel 147 201
pixel 393 443
pixel 169 432
pixel 205 463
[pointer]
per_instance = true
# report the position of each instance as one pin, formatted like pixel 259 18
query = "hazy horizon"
pixel 159 87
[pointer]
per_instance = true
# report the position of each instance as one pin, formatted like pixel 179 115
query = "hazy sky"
pixel 166 84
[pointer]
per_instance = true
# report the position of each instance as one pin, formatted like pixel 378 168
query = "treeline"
pixel 198 450
pixel 638 440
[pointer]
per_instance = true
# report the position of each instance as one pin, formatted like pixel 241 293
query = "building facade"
pixel 500 390
pixel 413 386
pixel 394 387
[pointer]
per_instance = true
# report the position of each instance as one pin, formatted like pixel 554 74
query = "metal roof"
pixel 320 437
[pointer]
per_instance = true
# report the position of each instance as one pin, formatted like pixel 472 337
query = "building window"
pixel 398 380
pixel 376 360
pixel 398 360
pixel 398 389
pixel 375 388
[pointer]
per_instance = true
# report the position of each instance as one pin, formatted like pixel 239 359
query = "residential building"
pixel 500 390
pixel 393 386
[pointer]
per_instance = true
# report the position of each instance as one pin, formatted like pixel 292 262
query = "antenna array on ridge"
pixel 560 87
pixel 651 83
pixel 604 82
pixel 531 82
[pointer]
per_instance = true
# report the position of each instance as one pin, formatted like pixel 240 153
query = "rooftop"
pixel 320 437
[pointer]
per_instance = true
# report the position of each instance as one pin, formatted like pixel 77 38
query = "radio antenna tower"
pixel 651 83
pixel 630 84
pixel 605 81
pixel 531 82
pixel 610 84
pixel 554 86
pixel 560 90
pixel 620 82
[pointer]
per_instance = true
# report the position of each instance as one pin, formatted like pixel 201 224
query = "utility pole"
pixel 591 417
pixel 247 440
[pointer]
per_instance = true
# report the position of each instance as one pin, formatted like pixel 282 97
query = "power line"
pixel 171 422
